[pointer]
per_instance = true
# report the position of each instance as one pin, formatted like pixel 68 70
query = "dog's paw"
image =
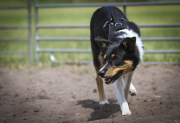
pixel 132 90
pixel 132 93
pixel 104 102
pixel 125 109
pixel 127 112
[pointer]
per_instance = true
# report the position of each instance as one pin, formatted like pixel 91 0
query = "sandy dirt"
pixel 68 94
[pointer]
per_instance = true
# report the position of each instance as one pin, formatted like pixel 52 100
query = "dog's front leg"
pixel 99 81
pixel 119 89
pixel 128 78
pixel 102 96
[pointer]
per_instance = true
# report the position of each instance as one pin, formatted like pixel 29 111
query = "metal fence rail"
pixel 88 39
pixel 106 4
pixel 124 5
pixel 28 27
pixel 87 26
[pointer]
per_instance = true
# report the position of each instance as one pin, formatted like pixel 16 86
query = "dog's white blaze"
pixel 139 43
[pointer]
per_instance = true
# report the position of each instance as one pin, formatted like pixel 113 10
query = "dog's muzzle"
pixel 103 70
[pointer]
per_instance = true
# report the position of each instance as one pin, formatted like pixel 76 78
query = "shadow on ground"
pixel 100 111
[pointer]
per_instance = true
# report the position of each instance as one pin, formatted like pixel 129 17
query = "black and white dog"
pixel 117 50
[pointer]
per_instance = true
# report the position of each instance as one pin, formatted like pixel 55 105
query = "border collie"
pixel 117 51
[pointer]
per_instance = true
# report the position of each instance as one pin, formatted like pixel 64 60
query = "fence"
pixel 28 27
pixel 51 51
pixel 124 4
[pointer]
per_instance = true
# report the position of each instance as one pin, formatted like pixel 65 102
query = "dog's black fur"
pixel 98 19
pixel 117 50
pixel 123 53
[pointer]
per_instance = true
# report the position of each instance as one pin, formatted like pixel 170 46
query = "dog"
pixel 117 50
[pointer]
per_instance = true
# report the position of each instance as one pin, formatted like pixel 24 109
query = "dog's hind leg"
pixel 119 89
pixel 100 86
pixel 132 90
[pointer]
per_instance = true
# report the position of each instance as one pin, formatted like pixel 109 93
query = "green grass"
pixel 76 16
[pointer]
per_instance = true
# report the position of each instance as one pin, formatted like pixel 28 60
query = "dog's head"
pixel 119 58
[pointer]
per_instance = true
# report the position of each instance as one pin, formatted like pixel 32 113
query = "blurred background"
pixel 164 14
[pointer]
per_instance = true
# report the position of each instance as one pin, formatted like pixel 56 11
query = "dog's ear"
pixel 129 43
pixel 103 41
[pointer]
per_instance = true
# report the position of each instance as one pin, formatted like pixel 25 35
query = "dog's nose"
pixel 101 73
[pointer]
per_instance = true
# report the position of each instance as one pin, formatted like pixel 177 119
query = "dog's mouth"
pixel 110 80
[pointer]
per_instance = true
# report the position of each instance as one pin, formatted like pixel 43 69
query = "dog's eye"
pixel 115 59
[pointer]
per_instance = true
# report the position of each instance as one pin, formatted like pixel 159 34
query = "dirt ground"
pixel 68 94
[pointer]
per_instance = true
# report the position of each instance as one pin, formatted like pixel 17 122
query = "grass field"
pixel 76 16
